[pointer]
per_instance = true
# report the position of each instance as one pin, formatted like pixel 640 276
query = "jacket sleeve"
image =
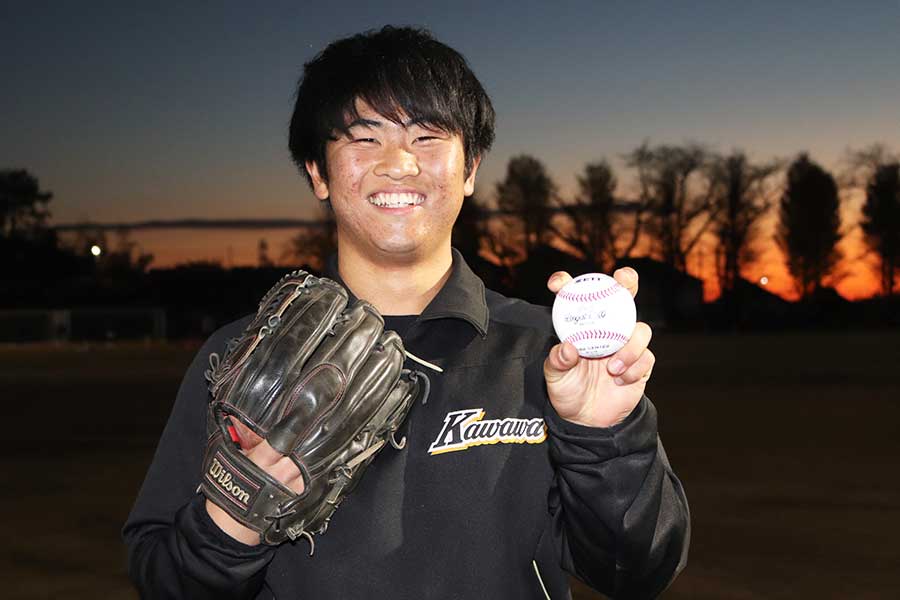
pixel 174 549
pixel 620 518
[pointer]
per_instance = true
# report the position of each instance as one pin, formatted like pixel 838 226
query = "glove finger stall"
pixel 320 388
pixel 275 364
pixel 324 447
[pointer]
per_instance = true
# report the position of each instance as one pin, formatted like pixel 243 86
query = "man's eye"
pixel 427 138
pixel 366 140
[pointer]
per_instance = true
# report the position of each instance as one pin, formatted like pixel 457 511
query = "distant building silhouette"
pixel 530 277
pixel 666 297
pixel 749 307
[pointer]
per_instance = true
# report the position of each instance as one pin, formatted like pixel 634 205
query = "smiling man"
pixel 396 188
pixel 526 463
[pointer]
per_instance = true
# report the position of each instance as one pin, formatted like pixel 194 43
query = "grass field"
pixel 787 446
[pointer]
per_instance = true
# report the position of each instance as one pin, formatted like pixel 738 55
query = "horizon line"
pixel 272 223
pixel 193 224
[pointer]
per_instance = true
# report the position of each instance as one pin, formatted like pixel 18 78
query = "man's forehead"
pixel 391 116
pixel 365 110
pixel 366 116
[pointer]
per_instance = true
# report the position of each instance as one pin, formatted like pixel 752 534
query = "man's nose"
pixel 397 162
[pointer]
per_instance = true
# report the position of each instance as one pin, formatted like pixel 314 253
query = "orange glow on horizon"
pixel 235 248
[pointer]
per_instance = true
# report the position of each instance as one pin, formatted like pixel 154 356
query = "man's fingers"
pixel 277 465
pixel 247 438
pixel 628 354
pixel 627 278
pixel 641 369
pixel 558 280
pixel 264 455
pixel 561 359
pixel 287 473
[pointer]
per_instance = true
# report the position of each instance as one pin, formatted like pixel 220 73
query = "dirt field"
pixel 785 445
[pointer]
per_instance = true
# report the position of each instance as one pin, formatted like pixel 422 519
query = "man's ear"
pixel 320 186
pixel 469 183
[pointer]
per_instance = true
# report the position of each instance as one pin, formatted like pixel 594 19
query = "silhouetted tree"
pixel 313 245
pixel 87 237
pixel 126 257
pixel 881 222
pixel 23 206
pixel 117 261
pixel 874 171
pixel 681 209
pixel 469 228
pixel 262 254
pixel 809 224
pixel 739 190
pixel 594 216
pixel 503 243
pixel 528 192
pixel 28 247
pixel 862 164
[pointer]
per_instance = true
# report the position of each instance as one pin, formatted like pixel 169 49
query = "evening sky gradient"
pixel 133 112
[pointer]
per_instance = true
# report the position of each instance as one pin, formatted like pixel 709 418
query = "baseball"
pixel 594 313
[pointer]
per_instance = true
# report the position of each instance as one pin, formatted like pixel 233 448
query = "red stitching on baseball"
pixel 595 334
pixel 591 296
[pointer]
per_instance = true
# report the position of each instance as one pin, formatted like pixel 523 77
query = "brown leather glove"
pixel 324 384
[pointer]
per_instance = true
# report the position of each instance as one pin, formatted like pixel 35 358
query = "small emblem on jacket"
pixel 463 429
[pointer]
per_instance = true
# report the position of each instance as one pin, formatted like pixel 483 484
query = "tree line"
pixel 680 196
pixel 683 194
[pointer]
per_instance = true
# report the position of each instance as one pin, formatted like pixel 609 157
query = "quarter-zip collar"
pixel 461 297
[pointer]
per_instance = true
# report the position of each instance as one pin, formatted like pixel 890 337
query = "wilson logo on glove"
pixel 223 479
pixel 465 428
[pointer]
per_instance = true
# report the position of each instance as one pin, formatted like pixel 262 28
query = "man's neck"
pixel 395 287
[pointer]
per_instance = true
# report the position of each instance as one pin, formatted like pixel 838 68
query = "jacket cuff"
pixel 636 433
pixel 195 522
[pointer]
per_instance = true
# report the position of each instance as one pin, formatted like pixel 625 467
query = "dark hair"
pixel 396 69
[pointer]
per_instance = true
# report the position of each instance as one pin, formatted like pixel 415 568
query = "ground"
pixel 785 445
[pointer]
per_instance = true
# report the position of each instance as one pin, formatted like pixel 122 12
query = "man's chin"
pixel 405 251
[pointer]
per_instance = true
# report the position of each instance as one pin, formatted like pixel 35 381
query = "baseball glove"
pixel 324 384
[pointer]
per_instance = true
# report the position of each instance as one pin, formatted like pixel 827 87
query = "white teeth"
pixel 396 200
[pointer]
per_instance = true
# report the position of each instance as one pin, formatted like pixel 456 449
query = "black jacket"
pixel 456 514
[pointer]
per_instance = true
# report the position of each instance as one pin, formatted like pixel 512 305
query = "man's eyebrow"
pixel 369 123
pixel 422 122
pixel 372 124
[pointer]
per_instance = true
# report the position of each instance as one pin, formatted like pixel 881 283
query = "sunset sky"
pixel 130 114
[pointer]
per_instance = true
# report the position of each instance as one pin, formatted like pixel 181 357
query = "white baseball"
pixel 595 313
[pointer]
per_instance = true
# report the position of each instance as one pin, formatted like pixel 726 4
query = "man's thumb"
pixel 562 358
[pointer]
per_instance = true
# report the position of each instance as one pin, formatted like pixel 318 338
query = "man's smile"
pixel 396 199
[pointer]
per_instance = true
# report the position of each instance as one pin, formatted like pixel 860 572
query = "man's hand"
pixel 599 392
pixel 271 461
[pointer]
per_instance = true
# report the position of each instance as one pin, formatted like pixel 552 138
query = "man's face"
pixel 396 189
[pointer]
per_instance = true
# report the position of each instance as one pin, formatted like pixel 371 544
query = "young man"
pixel 390 128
